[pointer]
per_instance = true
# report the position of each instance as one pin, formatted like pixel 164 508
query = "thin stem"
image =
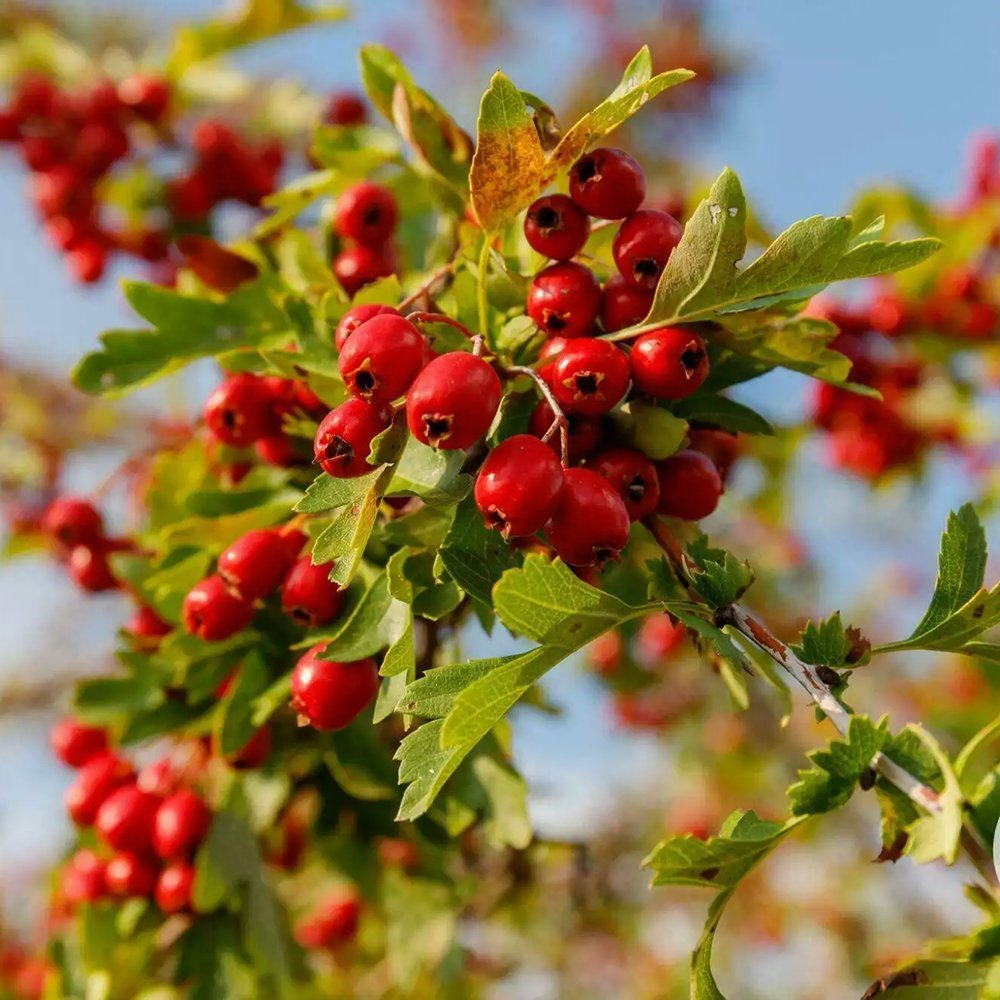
pixel 631 332
pixel 481 298
pixel 435 317
pixel 807 676
pixel 433 279
pixel 560 422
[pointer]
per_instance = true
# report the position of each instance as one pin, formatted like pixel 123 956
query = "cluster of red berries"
pixel 70 140
pixel 149 824
pixel 334 921
pixel 365 219
pixel 75 527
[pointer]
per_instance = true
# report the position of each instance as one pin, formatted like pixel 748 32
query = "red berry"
pixel 518 486
pixel 125 819
pixel 75 743
pixel 309 595
pixel 357 315
pixel 669 363
pixel 94 782
pixel 607 183
pixel 160 777
pixel 240 411
pixel 590 376
pixel 255 564
pixel 40 152
pixel 633 477
pixel 174 887
pixel 590 525
pixel 623 305
pixel 254 752
pixel 585 433
pixel 659 636
pixel 128 874
pixel 556 227
pixel 345 108
pixel 181 824
pixel 331 695
pixel 147 626
pixel 87 260
pixel 99 146
pixel 72 521
pixel 335 922
pixel 367 213
pixel 643 245
pixel 213 612
pixel 722 447
pixel 34 97
pixel 344 438
pixel 382 358
pixel 146 96
pixel 282 450
pixel 564 300
pixel 690 485
pixel 453 401
pixel 10 126
pixel 89 566
pixel 359 265
pixel 83 880
pixel 191 198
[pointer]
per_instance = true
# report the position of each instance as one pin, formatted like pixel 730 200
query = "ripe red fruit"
pixel 722 447
pixel 72 521
pixel 359 265
pixel 146 96
pixel 564 300
pixel 669 363
pixel 255 564
pixel 128 874
pixel 282 450
pixel 556 227
pixel 335 922
pixel 690 485
pixel 623 305
pixel 590 376
pixel 585 433
pixel 89 567
pixel 607 183
pixel 643 245
pixel 214 265
pixel 161 776
pixel 357 315
pixel 75 743
pixel 87 260
pixel 345 109
pixel 633 477
pixel 254 752
pixel 367 213
pixel 83 881
pixel 518 486
pixel 590 525
pixel 180 825
pixel 147 626
pixel 174 887
pixel 453 401
pixel 344 438
pixel 95 781
pixel 659 636
pixel 191 198
pixel 309 595
pixel 213 613
pixel 331 695
pixel 125 819
pixel 239 411
pixel 381 358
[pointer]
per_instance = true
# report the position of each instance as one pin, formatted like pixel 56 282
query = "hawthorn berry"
pixel 87 261
pixel 607 183
pixel 213 612
pixel 722 447
pixel 75 743
pixel 130 874
pixel 94 782
pixel 690 485
pixel 518 486
pixel 585 433
pixel 564 300
pixel 180 824
pixel 147 626
pixel 161 776
pixel 345 108
pixel 358 265
pixel 146 96
pixel 335 922
pixel 174 887
pixel 331 695
pixel 367 213
pixel 255 564
pixel 382 358
pixel 284 451
pixel 89 566
pixel 453 401
pixel 590 525
pixel 590 376
pixel 309 595
pixel 659 636
pixel 556 227
pixel 633 477
pixel 344 438
pixel 357 315
pixel 83 880
pixel 669 363
pixel 125 818
pixel 254 752
pixel 72 521
pixel 239 411
pixel 643 245
pixel 623 305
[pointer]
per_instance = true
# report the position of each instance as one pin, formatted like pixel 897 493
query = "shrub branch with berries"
pixel 463 381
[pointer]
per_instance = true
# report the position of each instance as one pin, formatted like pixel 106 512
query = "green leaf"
pixel 721 580
pixel 722 412
pixel 937 980
pixel 656 432
pixel 434 694
pixel 434 476
pixel 507 823
pixel 835 773
pixel 421 919
pixel 234 719
pixel 360 764
pixel 937 835
pixel 345 538
pixel 377 621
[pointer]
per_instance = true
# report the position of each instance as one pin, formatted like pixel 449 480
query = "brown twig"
pixel 434 317
pixel 435 278
pixel 560 423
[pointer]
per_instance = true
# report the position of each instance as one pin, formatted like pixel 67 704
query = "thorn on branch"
pixel 867 780
pixel 828 676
